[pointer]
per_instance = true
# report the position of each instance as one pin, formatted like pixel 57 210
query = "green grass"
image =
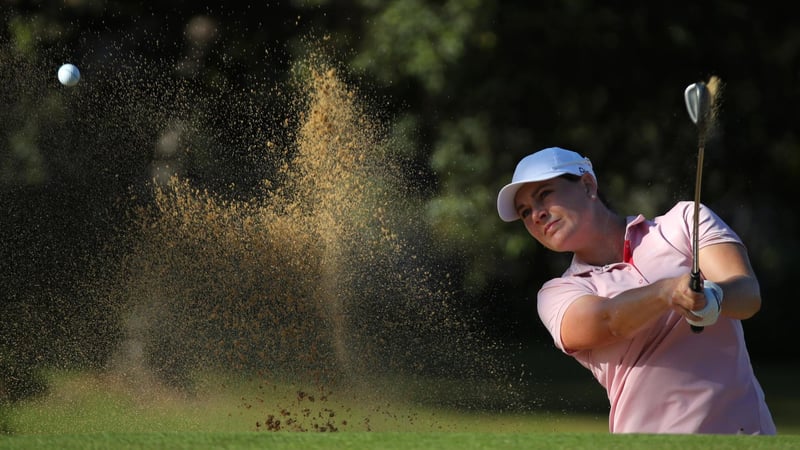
pixel 395 440
pixel 102 403
pixel 103 411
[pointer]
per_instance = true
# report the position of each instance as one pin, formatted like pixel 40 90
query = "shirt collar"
pixel 578 267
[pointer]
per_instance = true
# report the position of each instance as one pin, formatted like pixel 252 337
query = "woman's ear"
pixel 590 184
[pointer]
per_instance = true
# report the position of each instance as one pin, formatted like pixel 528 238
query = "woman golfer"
pixel 622 306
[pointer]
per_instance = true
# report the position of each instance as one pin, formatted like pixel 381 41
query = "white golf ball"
pixel 69 75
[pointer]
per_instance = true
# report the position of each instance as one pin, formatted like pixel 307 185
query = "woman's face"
pixel 554 211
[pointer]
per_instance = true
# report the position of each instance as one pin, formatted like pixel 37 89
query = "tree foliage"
pixel 467 87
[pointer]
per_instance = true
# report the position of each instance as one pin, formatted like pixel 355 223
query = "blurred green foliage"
pixel 468 88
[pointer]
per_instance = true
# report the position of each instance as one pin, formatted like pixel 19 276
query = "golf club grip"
pixel 696 284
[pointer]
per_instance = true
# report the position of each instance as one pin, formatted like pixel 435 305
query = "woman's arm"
pixel 592 321
pixel 728 265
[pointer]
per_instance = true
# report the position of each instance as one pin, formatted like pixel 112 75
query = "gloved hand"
pixel 709 314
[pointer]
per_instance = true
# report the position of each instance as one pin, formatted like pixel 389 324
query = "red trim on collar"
pixel 627 255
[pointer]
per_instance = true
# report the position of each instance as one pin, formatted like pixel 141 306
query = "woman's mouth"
pixel 549 226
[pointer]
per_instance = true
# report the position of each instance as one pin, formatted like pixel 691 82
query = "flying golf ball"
pixel 69 75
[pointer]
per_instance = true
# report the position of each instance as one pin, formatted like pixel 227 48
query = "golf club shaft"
pixel 696 283
pixel 698 183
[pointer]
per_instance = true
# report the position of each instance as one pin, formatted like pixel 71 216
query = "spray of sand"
pixel 314 280
pixel 262 282
pixel 318 277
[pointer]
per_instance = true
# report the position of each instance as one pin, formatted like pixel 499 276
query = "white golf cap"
pixel 542 165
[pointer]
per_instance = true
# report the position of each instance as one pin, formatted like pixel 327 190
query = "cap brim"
pixel 505 201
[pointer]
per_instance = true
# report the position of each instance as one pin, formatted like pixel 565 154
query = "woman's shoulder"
pixel 682 208
pixel 682 211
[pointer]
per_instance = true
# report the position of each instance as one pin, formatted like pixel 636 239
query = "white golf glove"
pixel 709 314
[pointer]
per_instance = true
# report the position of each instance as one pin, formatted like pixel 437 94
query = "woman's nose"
pixel 539 214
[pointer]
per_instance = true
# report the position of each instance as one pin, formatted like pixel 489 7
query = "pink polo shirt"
pixel 665 379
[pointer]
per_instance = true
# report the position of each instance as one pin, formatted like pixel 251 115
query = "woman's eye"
pixel 525 213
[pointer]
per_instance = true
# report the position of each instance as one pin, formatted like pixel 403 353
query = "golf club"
pixel 700 103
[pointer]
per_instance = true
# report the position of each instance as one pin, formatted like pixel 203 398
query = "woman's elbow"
pixel 743 309
pixel 754 306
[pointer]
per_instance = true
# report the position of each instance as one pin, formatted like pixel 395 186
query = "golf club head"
pixel 698 102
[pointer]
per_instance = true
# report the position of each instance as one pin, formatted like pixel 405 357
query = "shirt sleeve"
pixel 554 298
pixel 711 228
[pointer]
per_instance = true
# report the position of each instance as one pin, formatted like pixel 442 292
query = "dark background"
pixel 469 87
